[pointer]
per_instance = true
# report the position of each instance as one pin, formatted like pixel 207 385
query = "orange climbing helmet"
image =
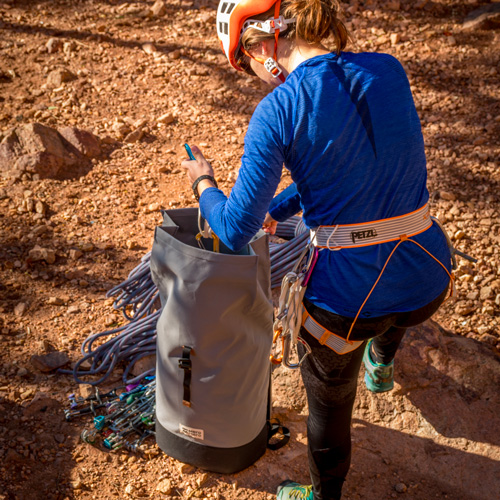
pixel 234 17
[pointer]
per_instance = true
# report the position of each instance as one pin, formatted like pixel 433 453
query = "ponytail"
pixel 316 21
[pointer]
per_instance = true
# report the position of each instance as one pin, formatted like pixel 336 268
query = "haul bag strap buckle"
pixel 186 365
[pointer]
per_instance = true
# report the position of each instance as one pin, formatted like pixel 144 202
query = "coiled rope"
pixel 138 299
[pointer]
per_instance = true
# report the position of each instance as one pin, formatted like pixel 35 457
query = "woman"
pixel 346 128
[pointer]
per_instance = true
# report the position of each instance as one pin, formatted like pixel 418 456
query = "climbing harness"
pixel 121 420
pixel 345 236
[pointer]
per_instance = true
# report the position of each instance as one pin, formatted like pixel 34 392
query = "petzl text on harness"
pixel 214 338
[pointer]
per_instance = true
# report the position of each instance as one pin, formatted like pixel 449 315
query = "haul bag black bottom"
pixel 223 460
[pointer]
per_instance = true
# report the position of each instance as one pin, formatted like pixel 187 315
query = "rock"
pixel 49 362
pixel 400 487
pixel 73 309
pixel 153 207
pixel 131 244
pixel 53 45
pixel 40 207
pixel 166 118
pixel 445 195
pixel 20 309
pixel 38 253
pixel 85 142
pixel 75 253
pixel 87 246
pixel 143 365
pixel 395 38
pixel 86 390
pixel 159 8
pixel 463 308
pixel 451 40
pixel 37 149
pixel 149 48
pixel 59 76
pixel 22 372
pixel 164 487
pixel 484 18
pixel 134 136
pixel 55 301
pixel 486 292
pixel 129 489
pixel 121 129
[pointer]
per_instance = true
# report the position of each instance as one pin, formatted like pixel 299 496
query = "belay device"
pixel 214 339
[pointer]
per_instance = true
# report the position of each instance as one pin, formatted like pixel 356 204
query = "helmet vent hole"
pixel 224 28
pixel 224 7
pixel 231 7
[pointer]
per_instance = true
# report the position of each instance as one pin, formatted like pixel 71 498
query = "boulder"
pixel 39 150
pixel 484 18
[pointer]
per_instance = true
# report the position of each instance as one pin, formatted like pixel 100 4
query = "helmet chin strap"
pixel 271 63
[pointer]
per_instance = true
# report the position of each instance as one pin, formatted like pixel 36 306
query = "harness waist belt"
pixel 372 233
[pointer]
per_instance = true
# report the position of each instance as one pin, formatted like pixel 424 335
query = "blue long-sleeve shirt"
pixel 347 130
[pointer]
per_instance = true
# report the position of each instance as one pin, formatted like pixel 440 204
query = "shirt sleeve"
pixel 285 204
pixel 235 220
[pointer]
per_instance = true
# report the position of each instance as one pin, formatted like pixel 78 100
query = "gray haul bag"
pixel 214 339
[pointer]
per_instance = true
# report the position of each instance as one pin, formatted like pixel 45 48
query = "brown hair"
pixel 316 21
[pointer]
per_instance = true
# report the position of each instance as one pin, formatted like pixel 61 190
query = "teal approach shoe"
pixel 288 490
pixel 378 377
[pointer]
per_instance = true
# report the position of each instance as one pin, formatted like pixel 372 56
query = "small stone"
pixel 451 40
pixel 486 293
pixel 186 469
pixel 59 76
pixel 166 118
pixel 22 372
pixel 55 301
pixel 129 489
pixel 75 254
pixel 20 309
pixel 149 48
pixel 49 362
pixel 40 207
pixel 400 487
pixel 175 54
pixel 131 244
pixel 159 8
pixel 395 38
pixel 164 487
pixel 445 195
pixel 86 390
pixel 463 308
pixel 38 253
pixel 134 136
pixel 73 309
pixel 87 246
pixel 153 207
pixel 77 484
pixel 53 45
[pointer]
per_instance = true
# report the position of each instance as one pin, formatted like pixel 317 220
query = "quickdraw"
pixel 126 415
pixel 289 318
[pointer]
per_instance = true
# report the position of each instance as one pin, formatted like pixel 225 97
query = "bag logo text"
pixel 192 433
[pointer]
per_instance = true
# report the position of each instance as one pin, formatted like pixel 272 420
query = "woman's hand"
pixel 197 168
pixel 269 225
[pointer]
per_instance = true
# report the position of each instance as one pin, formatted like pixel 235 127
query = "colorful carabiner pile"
pixel 122 420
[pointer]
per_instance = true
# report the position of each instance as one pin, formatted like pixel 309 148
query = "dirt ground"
pixel 162 75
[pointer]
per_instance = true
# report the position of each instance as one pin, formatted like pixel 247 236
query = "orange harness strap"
pixel 402 238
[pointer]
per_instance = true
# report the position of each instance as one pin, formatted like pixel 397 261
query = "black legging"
pixel 330 381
